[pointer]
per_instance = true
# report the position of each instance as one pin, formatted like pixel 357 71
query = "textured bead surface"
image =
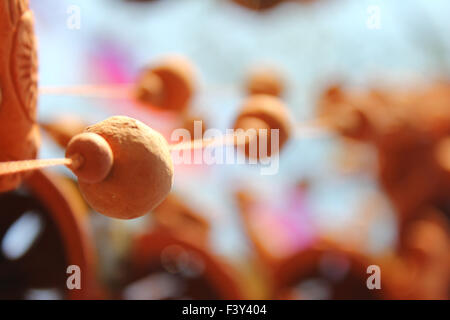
pixel 142 173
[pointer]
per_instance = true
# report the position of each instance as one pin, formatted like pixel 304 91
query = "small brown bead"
pixel 265 112
pixel 19 132
pixel 150 89
pixel 167 86
pixel 93 156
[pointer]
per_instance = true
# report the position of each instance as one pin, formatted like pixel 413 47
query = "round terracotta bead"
pixel 141 175
pixel 265 112
pixel 168 85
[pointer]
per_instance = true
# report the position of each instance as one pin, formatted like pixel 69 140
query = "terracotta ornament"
pixel 264 112
pixel 125 169
pixel 168 85
pixel 18 87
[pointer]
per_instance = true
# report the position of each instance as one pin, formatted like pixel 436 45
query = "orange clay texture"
pixel 92 155
pixel 266 112
pixel 19 132
pixel 409 129
pixel 142 173
pixel 265 81
pixel 168 85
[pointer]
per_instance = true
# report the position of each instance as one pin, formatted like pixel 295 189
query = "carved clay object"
pixel 141 174
pixel 265 112
pixel 168 85
pixel 19 134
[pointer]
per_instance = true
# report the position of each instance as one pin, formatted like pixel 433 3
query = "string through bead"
pixel 226 140
pixel 120 91
pixel 12 167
